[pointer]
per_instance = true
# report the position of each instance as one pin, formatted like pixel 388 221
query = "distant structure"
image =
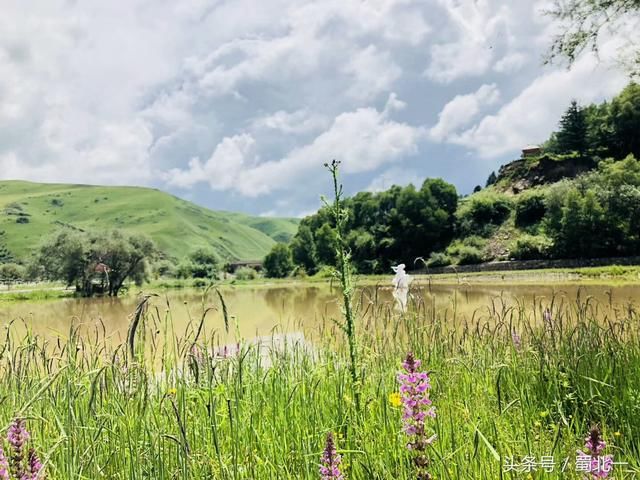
pixel 233 266
pixel 531 151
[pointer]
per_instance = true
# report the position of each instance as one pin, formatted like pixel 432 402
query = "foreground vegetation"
pixel 508 382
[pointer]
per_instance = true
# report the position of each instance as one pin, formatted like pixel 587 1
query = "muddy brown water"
pixel 261 310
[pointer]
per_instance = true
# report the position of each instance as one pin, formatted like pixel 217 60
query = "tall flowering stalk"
pixel 4 466
pixel 17 436
pixel 330 462
pixel 416 407
pixel 22 464
pixel 344 268
pixel 600 466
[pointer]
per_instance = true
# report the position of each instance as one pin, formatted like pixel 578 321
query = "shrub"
pixel 468 255
pixel 530 247
pixel 530 209
pixel 325 271
pixel 438 259
pixel 467 251
pixel 22 219
pixel 200 282
pixel 12 272
pixel 246 273
pixel 481 212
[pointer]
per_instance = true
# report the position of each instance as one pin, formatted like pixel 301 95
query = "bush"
pixel 468 255
pixel 200 282
pixel 467 251
pixel 325 271
pixel 246 273
pixel 12 272
pixel 531 247
pixel 481 212
pixel 530 209
pixel 165 269
pixel 438 259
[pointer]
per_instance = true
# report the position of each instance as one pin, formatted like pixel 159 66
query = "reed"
pixel 164 405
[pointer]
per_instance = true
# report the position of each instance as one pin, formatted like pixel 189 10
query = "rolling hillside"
pixel 31 211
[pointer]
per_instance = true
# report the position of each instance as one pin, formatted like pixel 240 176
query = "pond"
pixel 302 308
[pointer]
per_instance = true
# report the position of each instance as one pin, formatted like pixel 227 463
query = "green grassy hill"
pixel 30 212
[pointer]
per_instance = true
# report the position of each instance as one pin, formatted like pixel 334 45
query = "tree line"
pixel 596 214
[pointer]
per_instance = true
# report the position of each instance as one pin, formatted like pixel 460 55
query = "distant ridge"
pixel 29 212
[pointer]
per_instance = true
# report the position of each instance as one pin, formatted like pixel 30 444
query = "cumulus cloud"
pixel 299 122
pixel 394 176
pixel 462 109
pixel 532 114
pixel 208 97
pixel 362 140
pixel 510 63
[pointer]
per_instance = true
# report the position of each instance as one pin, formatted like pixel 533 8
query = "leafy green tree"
pixel 278 262
pixel 303 249
pixel 624 117
pixel 96 263
pixel 492 179
pixel 572 136
pixel 203 263
pixel 325 245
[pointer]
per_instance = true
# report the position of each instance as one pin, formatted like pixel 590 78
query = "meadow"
pixel 510 383
pixel 30 212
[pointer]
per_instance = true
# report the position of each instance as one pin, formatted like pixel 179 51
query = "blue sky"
pixel 237 104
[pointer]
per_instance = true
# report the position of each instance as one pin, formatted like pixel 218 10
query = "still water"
pixel 262 310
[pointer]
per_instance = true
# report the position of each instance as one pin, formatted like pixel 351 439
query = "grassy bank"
pixel 169 410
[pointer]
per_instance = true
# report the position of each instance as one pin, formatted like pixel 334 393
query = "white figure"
pixel 401 283
pixel 402 279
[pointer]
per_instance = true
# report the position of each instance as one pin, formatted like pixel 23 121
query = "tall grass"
pixel 160 406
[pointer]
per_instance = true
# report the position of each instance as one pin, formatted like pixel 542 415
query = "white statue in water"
pixel 401 283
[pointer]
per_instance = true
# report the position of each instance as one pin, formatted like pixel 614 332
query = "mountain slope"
pixel 31 211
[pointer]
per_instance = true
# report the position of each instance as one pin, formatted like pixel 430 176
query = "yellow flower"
pixel 172 391
pixel 394 399
pixel 617 434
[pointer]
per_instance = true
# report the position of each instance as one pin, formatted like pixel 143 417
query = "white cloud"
pixel 510 63
pixel 362 140
pixel 299 122
pixel 223 170
pixel 394 176
pixel 373 72
pixel 249 97
pixel 533 114
pixel 461 110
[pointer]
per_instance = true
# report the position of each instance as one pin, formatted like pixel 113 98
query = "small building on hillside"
pixel 231 267
pixel 531 151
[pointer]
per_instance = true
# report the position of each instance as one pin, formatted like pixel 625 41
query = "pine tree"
pixel 492 179
pixel 572 136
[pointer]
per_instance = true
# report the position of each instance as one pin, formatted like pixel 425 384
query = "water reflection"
pixel 263 311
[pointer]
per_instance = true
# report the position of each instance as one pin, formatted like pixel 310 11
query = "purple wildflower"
pixel 330 462
pixel 601 465
pixel 17 436
pixel 35 466
pixel 4 466
pixel 414 391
